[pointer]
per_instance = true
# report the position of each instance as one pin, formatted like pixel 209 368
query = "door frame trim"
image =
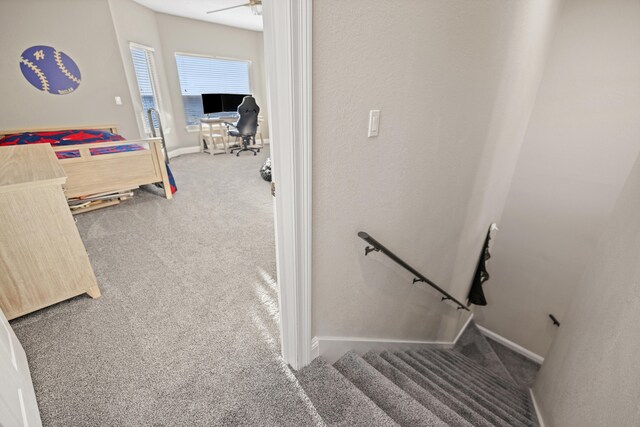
pixel 288 64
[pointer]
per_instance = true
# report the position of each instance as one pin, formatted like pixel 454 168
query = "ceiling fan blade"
pixel 227 8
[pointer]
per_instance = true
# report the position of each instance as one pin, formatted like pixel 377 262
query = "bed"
pixel 97 160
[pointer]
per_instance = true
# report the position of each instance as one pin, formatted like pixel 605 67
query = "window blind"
pixel 143 74
pixel 143 67
pixel 201 74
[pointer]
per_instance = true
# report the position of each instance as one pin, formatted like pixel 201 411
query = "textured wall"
pixel 591 375
pixel 84 31
pixel 136 23
pixel 455 81
pixel 582 139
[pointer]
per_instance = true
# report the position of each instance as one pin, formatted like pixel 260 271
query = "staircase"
pixel 464 386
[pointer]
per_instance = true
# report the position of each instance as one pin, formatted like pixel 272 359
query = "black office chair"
pixel 247 126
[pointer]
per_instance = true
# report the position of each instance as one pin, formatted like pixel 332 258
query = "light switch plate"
pixel 374 122
pixel 118 100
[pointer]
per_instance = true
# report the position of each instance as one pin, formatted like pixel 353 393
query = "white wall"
pixel 455 81
pixel 519 82
pixel 582 138
pixel 591 375
pixel 191 36
pixel 83 30
pixel 137 24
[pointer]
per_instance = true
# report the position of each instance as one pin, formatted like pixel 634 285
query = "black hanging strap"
pixel 476 294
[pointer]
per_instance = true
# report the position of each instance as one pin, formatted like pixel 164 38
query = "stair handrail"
pixel 379 247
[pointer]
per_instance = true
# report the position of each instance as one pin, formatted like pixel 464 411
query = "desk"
pixel 207 138
pixel 43 258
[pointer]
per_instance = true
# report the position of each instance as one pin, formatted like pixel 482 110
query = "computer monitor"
pixel 230 101
pixel 212 103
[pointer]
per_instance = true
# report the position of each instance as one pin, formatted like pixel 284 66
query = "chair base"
pixel 246 141
pixel 255 151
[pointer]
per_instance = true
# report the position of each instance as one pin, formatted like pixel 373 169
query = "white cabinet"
pixel 18 406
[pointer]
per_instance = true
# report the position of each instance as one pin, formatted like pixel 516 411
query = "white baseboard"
pixel 464 328
pixel 184 150
pixel 535 406
pixel 315 348
pixel 511 345
pixel 332 348
pixel 192 150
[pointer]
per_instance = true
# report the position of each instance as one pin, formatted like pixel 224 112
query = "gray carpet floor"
pixel 186 331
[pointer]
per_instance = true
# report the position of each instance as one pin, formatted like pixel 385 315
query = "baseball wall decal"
pixel 50 70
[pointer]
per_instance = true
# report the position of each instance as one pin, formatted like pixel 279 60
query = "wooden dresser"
pixel 42 258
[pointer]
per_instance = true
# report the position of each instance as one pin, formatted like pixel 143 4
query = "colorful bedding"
pixel 73 137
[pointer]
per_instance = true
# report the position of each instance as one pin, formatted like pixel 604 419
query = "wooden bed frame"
pixel 104 173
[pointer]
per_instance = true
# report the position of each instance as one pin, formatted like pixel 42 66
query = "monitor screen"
pixel 230 101
pixel 212 103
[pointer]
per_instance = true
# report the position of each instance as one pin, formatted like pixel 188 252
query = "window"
pixel 202 74
pixel 145 75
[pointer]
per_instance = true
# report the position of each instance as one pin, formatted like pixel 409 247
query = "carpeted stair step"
pixel 502 387
pixel 499 407
pixel 495 415
pixel 474 346
pixel 480 377
pixel 460 387
pixel 522 369
pixel 399 405
pixel 427 399
pixel 477 379
pixel 472 366
pixel 337 400
pixel 454 398
pixel 461 360
pixel 477 416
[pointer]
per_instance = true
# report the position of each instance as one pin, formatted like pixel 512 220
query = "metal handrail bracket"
pixel 379 247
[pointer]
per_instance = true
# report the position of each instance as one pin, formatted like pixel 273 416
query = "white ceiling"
pixel 197 9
